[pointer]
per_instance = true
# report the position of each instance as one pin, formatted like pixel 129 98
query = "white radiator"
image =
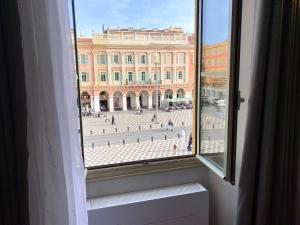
pixel 175 205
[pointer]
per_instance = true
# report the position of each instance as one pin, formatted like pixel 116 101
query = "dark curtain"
pixel 13 116
pixel 269 181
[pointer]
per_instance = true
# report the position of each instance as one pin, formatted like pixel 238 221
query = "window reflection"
pixel 214 79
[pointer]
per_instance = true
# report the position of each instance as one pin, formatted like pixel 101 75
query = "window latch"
pixel 239 100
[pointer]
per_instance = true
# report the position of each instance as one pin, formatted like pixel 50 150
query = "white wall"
pixel 223 196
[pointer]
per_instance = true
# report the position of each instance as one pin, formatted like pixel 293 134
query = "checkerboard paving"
pixel 129 121
pixel 210 147
pixel 105 155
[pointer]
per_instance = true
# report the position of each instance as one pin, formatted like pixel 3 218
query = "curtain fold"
pixel 56 172
pixel 268 186
pixel 13 147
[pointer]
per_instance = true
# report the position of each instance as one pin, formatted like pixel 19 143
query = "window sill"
pixel 137 169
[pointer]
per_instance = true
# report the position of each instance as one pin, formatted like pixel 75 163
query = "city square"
pixel 136 137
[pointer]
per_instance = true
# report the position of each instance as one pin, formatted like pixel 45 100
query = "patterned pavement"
pixel 105 155
pixel 130 121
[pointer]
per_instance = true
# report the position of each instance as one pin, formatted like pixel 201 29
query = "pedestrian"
pixel 113 120
pixel 170 125
pixel 153 118
pixel 189 147
pixel 174 147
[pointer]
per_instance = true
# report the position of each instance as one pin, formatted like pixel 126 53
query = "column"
pixel 149 56
pixel 91 68
pixel 137 102
pixel 109 71
pixel 186 71
pixel 124 102
pixel 162 97
pixel 111 103
pixel 149 101
pixel 136 61
pixel 123 75
pixel 96 104
pixel 174 78
pixel 162 72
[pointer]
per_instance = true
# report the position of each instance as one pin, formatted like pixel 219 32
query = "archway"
pixel 168 94
pixel 104 98
pixel 143 97
pixel 118 101
pixel 180 93
pixel 131 100
pixel 85 100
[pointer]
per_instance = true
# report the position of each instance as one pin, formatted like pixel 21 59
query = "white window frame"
pixel 86 75
pixel 143 76
pixel 130 76
pixel 84 59
pixel 101 59
pixel 117 74
pixel 143 62
pixel 101 76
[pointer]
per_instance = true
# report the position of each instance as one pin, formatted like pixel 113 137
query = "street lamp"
pixel 156 62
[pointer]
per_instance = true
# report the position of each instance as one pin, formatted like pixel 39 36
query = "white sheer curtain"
pixel 56 171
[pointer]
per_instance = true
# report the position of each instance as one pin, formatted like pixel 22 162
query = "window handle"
pixel 239 100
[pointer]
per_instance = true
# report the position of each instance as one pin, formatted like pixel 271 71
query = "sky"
pixel 93 14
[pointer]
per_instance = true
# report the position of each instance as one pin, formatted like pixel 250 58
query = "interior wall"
pixel 223 196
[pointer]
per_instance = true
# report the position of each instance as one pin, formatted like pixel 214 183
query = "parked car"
pixel 170 109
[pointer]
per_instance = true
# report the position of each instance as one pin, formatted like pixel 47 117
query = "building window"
pixel 143 76
pixel 117 76
pixel 102 76
pixel 83 59
pixel 101 59
pixel 179 74
pixel 180 58
pixel 168 58
pixel 116 59
pixel 143 59
pixel 130 76
pixel 168 75
pixel 84 77
pixel 129 59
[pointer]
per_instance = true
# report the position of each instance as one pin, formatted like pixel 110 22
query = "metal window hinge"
pixel 239 100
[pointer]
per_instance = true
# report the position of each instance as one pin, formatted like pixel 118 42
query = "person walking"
pixel 170 125
pixel 189 147
pixel 153 118
pixel 113 120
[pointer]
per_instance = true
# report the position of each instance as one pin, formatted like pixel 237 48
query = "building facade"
pixel 129 69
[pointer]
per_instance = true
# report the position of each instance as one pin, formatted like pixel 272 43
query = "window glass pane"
pixel 215 80
pixel 141 103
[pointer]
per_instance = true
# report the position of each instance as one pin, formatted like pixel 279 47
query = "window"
pixel 168 58
pixel 117 76
pixel 83 59
pixel 179 74
pixel 211 107
pixel 130 76
pixel 129 59
pixel 102 76
pixel 143 76
pixel 101 59
pixel 84 77
pixel 180 58
pixel 218 152
pixel 168 75
pixel 115 59
pixel 143 59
